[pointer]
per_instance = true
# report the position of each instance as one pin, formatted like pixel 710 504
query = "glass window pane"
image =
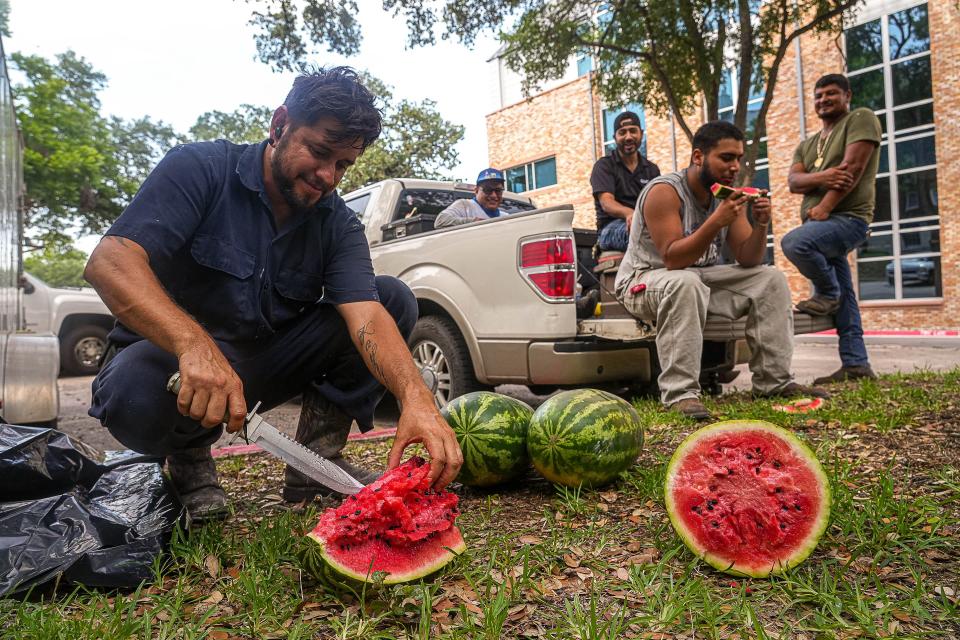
pixel 864 45
pixel 517 179
pixel 884 165
pixel 926 241
pixel 876 246
pixel 546 172
pixel 584 65
pixel 881 212
pixel 909 32
pixel 921 277
pixel 918 152
pixel 876 280
pixel 913 117
pixel 911 80
pixel 727 115
pixel 918 194
pixel 609 115
pixel 726 91
pixel 867 90
pixel 761 179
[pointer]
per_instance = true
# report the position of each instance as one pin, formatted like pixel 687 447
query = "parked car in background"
pixel 76 315
pixel 914 271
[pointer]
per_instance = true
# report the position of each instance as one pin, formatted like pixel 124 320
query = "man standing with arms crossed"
pixel 836 172
pixel 240 267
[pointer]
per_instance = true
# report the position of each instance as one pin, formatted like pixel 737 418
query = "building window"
pixel 888 63
pixel 727 108
pixel 584 63
pixel 533 175
pixel 610 114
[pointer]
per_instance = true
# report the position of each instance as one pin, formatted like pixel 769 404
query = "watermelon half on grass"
pixel 492 431
pixel 747 497
pixel 584 437
pixel 396 529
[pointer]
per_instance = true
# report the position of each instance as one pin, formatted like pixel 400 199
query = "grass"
pixel 547 562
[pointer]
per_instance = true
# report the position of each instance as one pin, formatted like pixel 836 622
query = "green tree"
pixel 81 168
pixel 670 56
pixel 5 18
pixel 248 123
pixel 58 264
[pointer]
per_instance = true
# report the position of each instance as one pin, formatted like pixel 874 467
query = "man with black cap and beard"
pixel 239 266
pixel 672 274
pixel 617 180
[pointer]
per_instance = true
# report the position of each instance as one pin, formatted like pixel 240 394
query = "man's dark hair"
pixel 833 78
pixel 335 92
pixel 710 134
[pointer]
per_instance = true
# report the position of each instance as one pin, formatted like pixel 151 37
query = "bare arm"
pixel 385 353
pixel 838 177
pixel 119 269
pixel 855 158
pixel 661 213
pixel 749 242
pixel 613 208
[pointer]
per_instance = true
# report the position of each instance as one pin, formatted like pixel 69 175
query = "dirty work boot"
pixel 847 373
pixel 819 305
pixel 692 408
pixel 323 428
pixel 794 390
pixel 194 476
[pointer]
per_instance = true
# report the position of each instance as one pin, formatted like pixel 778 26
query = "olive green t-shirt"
pixel 858 125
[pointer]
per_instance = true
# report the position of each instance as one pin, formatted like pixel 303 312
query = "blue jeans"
pixel 614 236
pixel 819 248
pixel 131 401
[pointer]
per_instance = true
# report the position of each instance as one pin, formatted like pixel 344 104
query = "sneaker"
pixel 794 390
pixel 819 305
pixel 692 408
pixel 587 304
pixel 194 477
pixel 847 373
pixel 322 428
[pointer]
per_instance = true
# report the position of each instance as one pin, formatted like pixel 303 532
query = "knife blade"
pixel 271 440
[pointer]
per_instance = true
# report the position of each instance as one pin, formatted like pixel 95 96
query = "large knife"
pixel 270 439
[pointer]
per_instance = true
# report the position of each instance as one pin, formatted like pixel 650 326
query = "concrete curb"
pixel 246 449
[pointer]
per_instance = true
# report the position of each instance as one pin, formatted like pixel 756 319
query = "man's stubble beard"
pixel 285 185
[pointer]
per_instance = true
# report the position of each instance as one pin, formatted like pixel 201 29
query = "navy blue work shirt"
pixel 204 219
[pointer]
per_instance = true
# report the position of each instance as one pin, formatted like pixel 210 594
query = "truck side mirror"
pixel 25 285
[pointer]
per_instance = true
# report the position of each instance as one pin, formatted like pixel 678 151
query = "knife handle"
pixel 173 386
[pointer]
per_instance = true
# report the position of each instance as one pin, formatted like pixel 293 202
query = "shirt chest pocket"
pixel 227 300
pixel 294 293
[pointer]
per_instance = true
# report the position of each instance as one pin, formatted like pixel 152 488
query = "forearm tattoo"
pixel 365 335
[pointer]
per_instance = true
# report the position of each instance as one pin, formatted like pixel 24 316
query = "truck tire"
pixel 81 348
pixel 443 359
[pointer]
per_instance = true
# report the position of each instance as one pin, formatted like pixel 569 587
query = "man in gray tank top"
pixel 672 274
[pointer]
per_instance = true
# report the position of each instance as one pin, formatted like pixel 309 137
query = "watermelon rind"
pixel 492 431
pixel 819 526
pixel 584 437
pixel 430 556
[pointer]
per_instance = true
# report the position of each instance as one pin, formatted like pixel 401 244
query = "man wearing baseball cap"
pixel 485 204
pixel 617 180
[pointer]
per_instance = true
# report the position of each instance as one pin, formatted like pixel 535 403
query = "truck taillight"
pixel 555 284
pixel 538 253
pixel 549 263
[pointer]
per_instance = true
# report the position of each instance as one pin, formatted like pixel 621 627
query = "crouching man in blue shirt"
pixel 241 267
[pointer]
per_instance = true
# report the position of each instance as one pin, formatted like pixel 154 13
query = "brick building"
pixel 902 62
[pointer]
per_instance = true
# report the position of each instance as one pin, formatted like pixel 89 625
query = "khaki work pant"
pixel 678 302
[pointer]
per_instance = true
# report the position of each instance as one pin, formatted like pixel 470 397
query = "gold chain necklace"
pixel 822 146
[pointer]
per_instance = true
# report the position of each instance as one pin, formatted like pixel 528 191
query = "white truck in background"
pixel 29 361
pixel 76 315
pixel 497 298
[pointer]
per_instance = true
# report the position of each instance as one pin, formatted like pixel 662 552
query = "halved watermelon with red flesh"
pixel 754 192
pixel 396 525
pixel 722 191
pixel 748 497
pixel 802 405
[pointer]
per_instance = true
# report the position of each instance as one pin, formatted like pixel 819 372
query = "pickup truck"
pixel 76 315
pixel 497 298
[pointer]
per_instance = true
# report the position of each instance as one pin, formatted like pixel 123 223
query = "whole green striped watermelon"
pixel 584 436
pixel 492 431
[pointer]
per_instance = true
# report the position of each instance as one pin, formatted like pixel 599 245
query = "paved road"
pixel 813 356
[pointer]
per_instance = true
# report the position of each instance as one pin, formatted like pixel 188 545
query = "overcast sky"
pixel 175 59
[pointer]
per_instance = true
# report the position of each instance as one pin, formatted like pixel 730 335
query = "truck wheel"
pixel 443 359
pixel 81 348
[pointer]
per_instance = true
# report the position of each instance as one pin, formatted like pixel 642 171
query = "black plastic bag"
pixel 64 512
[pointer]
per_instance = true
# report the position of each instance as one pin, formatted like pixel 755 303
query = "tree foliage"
pixel 669 56
pixel 58 264
pixel 80 167
pixel 246 124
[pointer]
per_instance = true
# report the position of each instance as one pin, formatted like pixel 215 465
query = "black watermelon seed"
pixel 785 507
pixel 783 526
pixel 715 524
pixel 714 502
pixel 709 507
pixel 797 507
pixel 776 464
pixel 343 517
pixel 779 489
pixel 729 471
pixel 757 449
pixel 357 512
pixel 757 469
